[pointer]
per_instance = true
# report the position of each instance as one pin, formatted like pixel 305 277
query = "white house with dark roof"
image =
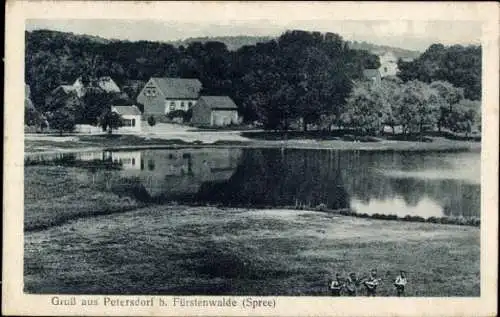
pixel 162 95
pixel 215 111
pixel 131 116
pixel 388 64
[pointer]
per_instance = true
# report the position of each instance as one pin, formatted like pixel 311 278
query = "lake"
pixel 425 184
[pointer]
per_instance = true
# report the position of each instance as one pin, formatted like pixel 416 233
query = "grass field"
pixel 82 239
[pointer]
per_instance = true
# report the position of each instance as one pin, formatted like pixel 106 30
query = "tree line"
pixel 311 79
pixel 413 106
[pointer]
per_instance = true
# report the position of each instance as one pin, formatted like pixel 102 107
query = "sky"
pixel 408 34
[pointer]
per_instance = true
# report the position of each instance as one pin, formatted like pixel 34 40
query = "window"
pixel 133 122
pixel 190 104
pixel 182 105
pixel 133 161
pixel 172 105
pixel 150 91
pixel 385 69
pixel 151 165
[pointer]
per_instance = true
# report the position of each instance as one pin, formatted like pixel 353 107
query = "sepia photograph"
pixel 251 158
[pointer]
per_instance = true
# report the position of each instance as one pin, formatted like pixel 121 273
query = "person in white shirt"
pixel 336 285
pixel 400 283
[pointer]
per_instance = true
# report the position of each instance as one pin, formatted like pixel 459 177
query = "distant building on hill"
pixel 215 111
pixel 162 95
pixel 388 64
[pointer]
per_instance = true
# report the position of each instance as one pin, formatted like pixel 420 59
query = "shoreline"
pixel 36 147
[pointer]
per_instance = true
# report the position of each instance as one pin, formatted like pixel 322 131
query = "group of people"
pixel 349 286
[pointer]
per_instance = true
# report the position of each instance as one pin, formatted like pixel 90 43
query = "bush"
pixel 151 121
pixel 181 114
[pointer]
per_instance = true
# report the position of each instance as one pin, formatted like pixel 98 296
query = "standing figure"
pixel 400 283
pixel 351 286
pixel 372 283
pixel 336 285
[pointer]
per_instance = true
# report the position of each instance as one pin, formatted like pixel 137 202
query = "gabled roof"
pixel 106 83
pixel 369 73
pixel 65 88
pixel 127 110
pixel 181 88
pixel 218 102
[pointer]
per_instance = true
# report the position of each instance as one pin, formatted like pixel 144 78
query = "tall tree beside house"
pixel 110 121
pixel 69 102
pixel 97 101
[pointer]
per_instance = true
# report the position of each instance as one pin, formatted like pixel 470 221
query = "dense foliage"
pixel 301 79
pixel 257 77
pixel 458 65
pixel 413 106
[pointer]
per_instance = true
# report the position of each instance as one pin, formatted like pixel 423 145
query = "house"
pixel 104 83
pixel 163 95
pixel 80 87
pixel 62 91
pixel 215 111
pixel 372 75
pixel 131 116
pixel 388 64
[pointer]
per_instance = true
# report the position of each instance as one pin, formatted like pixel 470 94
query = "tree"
pixel 449 95
pixel 32 117
pixel 419 106
pixel 365 109
pixel 458 65
pixel 63 120
pixel 110 120
pixel 464 116
pixel 390 93
pixel 151 121
pixel 96 101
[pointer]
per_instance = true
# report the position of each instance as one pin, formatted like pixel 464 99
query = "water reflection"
pixel 399 183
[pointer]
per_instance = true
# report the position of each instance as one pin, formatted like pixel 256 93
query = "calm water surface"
pixel 426 184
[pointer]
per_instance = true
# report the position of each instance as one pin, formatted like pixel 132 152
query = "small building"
pixel 388 64
pixel 372 75
pixel 162 95
pixel 131 116
pixel 80 87
pixel 215 111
